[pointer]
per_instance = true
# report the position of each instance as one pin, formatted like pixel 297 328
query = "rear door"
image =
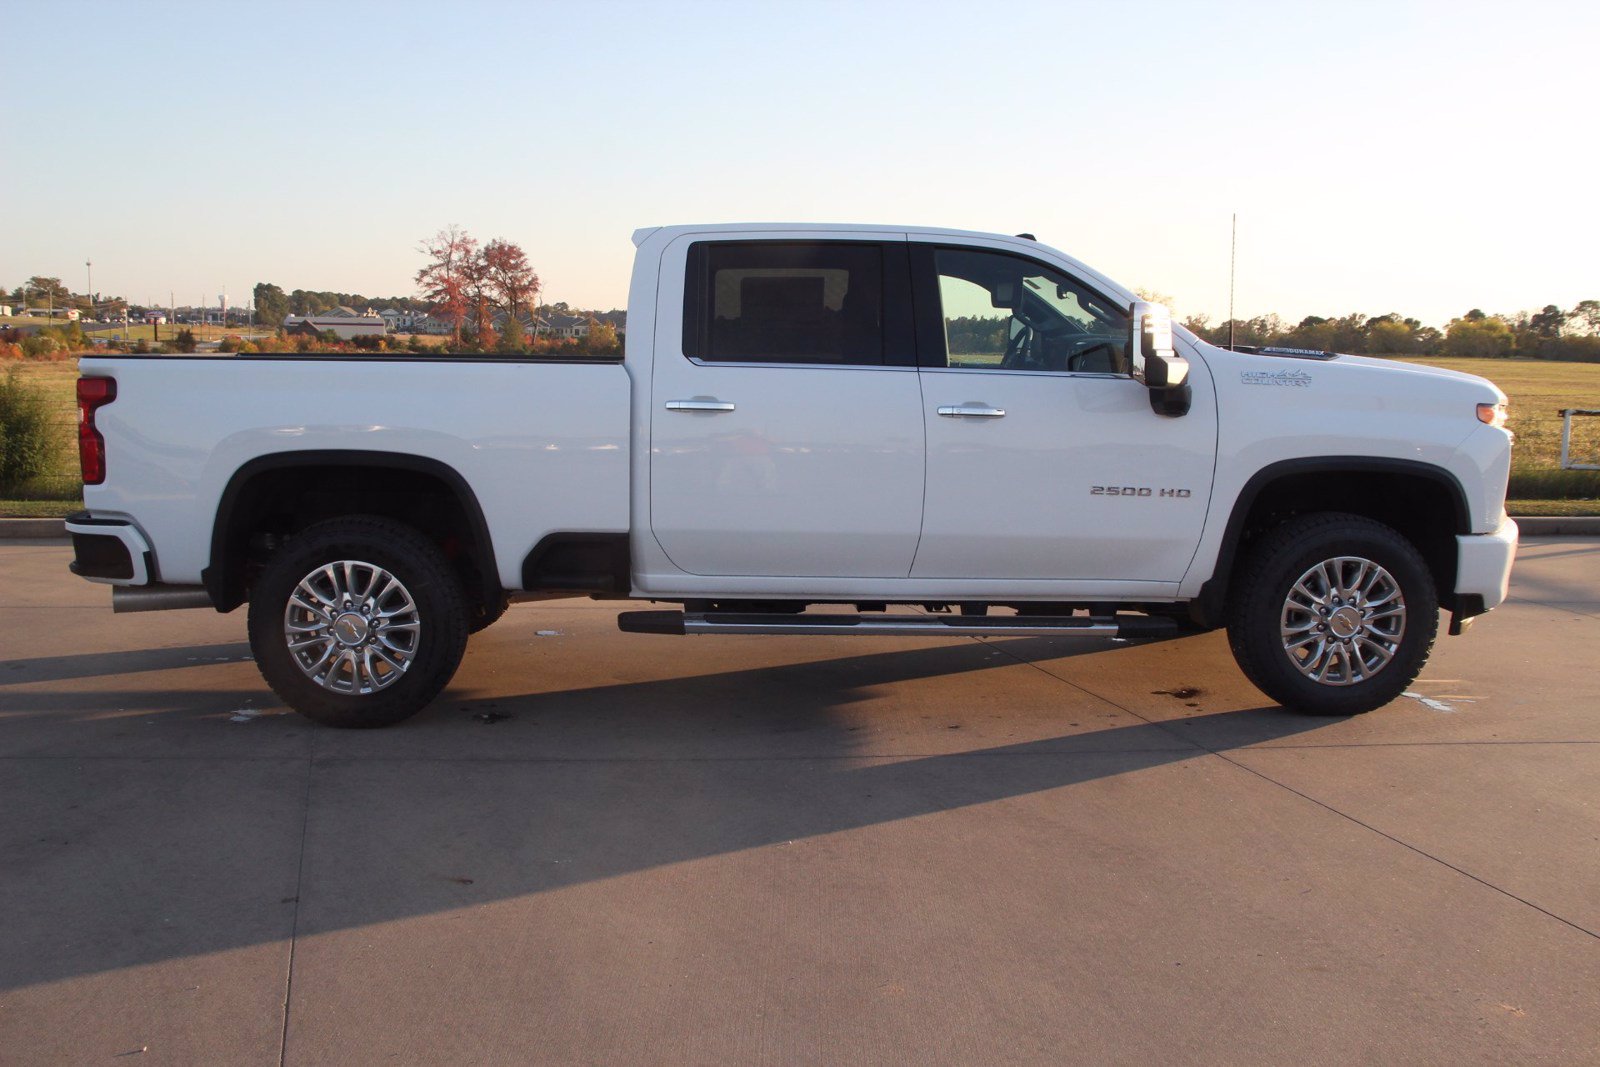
pixel 1045 460
pixel 786 418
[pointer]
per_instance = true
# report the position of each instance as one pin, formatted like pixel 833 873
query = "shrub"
pixel 185 340
pixel 41 345
pixel 141 346
pixel 230 343
pixel 27 438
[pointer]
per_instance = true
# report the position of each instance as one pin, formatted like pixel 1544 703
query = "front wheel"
pixel 1333 614
pixel 358 622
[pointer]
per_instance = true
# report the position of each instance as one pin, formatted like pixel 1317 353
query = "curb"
pixel 1559 525
pixel 32 530
pixel 1530 525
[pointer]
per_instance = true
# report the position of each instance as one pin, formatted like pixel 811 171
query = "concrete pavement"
pixel 599 847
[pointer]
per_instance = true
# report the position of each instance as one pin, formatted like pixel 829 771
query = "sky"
pixel 1425 158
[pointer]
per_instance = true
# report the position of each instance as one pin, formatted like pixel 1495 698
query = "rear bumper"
pixel 1483 569
pixel 112 551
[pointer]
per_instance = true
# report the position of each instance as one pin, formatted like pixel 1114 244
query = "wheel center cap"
pixel 1345 622
pixel 350 628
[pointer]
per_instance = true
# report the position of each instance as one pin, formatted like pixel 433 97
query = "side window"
pixel 1009 313
pixel 785 302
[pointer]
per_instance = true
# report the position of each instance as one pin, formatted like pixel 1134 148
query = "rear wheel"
pixel 358 622
pixel 1333 614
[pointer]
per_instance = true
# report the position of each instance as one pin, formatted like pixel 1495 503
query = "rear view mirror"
pixel 1156 362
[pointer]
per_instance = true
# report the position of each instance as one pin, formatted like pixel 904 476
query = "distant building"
pixel 345 323
pixel 564 326
pixel 155 318
pixel 5 311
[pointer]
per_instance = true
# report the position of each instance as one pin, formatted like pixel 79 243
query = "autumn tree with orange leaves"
pixel 446 280
pixel 465 281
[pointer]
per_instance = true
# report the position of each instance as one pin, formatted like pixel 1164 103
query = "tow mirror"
pixel 1155 362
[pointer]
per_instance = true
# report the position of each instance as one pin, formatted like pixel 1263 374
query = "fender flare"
pixel 1207 606
pixel 222 579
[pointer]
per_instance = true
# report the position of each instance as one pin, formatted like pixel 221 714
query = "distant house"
pixel 564 326
pixel 346 323
pixel 5 311
pixel 431 325
pixel 391 319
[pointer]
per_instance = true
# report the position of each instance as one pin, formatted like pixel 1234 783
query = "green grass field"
pixel 140 331
pixel 1537 388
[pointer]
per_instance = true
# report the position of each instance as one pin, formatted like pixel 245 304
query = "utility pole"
pixel 1233 260
pixel 88 265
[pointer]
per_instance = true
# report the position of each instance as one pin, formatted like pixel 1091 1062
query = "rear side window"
pixel 785 302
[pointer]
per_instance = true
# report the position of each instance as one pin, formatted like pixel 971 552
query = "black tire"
pixel 482 616
pixel 1260 610
pixel 437 608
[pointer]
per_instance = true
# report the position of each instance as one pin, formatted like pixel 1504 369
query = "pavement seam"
pixel 1319 803
pixel 299 890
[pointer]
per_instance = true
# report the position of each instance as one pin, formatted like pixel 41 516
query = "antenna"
pixel 1233 260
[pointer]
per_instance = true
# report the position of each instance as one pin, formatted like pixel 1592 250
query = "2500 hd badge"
pixel 1129 490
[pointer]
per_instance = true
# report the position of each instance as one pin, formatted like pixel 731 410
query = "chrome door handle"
pixel 961 411
pixel 698 405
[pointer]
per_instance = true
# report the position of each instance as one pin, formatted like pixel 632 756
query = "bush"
pixel 230 343
pixel 185 340
pixel 41 345
pixel 27 438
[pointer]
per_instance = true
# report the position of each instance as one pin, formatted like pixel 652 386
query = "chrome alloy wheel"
pixel 1343 621
pixel 352 627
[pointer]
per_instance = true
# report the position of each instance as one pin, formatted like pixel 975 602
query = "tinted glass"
pixel 785 302
pixel 1009 313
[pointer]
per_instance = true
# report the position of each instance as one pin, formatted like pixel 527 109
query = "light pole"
pixel 88 265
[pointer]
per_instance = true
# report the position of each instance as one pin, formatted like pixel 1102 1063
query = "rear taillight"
pixel 93 394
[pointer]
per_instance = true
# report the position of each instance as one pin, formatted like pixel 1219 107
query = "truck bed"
pixel 181 426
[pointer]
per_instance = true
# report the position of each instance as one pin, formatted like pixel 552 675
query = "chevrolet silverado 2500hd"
pixel 834 417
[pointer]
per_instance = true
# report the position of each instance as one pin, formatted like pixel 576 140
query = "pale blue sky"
pixel 1424 158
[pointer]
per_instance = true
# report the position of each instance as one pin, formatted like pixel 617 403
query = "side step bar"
pixel 677 622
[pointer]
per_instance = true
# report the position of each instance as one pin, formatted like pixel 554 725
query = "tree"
pixel 508 275
pixel 1482 336
pixel 1388 335
pixel 272 304
pixel 1584 318
pixel 1548 322
pixel 446 280
pixel 602 338
pixel 513 338
pixel 42 292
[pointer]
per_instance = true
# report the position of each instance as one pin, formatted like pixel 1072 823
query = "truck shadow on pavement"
pixel 114 861
pixel 103 664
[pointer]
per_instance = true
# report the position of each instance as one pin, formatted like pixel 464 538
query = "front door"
pixel 1044 458
pixel 786 428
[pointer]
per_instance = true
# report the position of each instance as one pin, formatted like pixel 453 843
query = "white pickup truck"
pixel 811 424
